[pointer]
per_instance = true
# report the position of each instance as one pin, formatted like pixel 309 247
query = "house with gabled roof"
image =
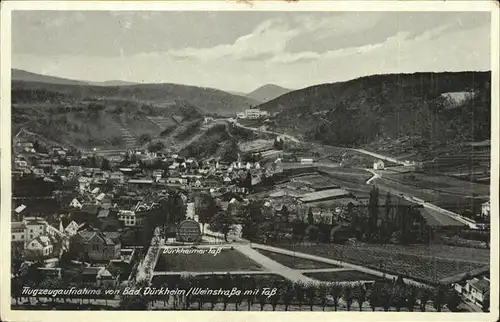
pixel 72 228
pixel 96 245
pixel 40 247
pixel 76 202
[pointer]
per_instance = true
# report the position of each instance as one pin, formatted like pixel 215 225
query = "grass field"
pixel 419 262
pixel 341 276
pixel 454 202
pixel 442 183
pixel 227 260
pixel 295 262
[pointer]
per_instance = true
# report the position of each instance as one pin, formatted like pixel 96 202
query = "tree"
pixel 398 298
pixel 156 146
pixel 230 151
pixel 105 165
pixel 438 298
pixel 336 293
pixel 373 209
pixel 175 208
pixel 16 286
pixel 313 233
pixel 348 296
pixel 452 300
pixel 388 206
pixel 288 295
pixel 247 183
pixel 285 213
pixel 207 208
pixel 486 302
pixel 322 293
pixel 424 294
pixel 222 222
pixel 374 297
pixel 299 292
pixel 93 162
pixel 411 297
pixel 386 296
pixel 359 295
pixel 298 230
pixel 311 293
pixel 144 138
pixel 310 217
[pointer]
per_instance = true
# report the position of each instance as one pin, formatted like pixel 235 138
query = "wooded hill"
pixel 365 109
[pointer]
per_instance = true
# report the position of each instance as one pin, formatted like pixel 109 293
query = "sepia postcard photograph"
pixel 269 158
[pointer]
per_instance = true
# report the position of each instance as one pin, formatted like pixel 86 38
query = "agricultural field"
pixel 255 145
pixel 341 276
pixel 315 181
pixel 227 260
pixel 347 174
pixel 295 262
pixel 441 183
pixel 415 262
pixel 449 201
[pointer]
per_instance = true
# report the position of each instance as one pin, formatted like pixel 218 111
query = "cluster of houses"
pixel 99 208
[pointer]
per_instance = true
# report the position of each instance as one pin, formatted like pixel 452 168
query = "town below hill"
pixel 108 180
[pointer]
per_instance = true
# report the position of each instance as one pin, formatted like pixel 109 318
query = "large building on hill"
pixel 253 113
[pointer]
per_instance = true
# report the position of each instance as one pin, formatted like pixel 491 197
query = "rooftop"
pixel 480 284
pixel 435 218
pixel 325 194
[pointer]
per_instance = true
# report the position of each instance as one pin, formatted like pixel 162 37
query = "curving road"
pixel 379 156
pixel 286 136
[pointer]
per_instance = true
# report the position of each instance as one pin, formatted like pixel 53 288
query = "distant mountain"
pixel 267 92
pixel 56 89
pixel 22 75
pixel 363 110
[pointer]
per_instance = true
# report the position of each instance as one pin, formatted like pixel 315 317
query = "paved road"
pixel 286 136
pixel 375 176
pixel 323 270
pixel 273 266
pixel 397 191
pixel 379 156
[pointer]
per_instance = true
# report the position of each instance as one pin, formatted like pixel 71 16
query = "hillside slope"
pixel 366 109
pixel 22 75
pixel 209 101
pixel 267 92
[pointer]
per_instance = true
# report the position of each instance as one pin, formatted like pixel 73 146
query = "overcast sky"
pixel 241 51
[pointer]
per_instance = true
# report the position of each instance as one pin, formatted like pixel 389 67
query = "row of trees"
pixel 282 294
pixel 383 294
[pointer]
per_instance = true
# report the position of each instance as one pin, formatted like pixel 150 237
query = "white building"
pixel 255 113
pixel 34 227
pixel 475 290
pixel 41 246
pixel 75 203
pixel 306 161
pixel 378 165
pixel 128 217
pixel 485 209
